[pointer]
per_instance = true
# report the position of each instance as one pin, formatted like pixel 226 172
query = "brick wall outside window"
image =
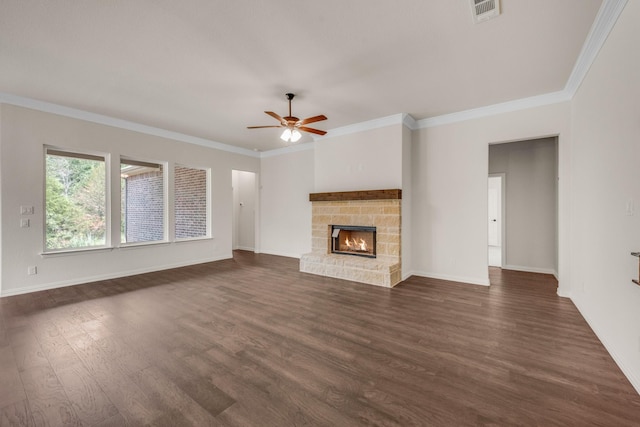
pixel 144 209
pixel 190 202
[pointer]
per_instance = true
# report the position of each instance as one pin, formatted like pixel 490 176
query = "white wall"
pixel 1 192
pixel 24 132
pixel 450 169
pixel 531 202
pixel 369 160
pixel 407 205
pixel 285 184
pixel 606 147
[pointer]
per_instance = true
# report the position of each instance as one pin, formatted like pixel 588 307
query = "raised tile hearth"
pixel 380 209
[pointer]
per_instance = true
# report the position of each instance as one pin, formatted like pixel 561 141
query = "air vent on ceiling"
pixel 484 9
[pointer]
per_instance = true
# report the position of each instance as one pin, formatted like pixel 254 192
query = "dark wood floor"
pixel 253 342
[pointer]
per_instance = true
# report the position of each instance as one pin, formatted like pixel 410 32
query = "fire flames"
pixel 355 245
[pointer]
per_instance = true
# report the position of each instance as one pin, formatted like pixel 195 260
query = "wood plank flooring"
pixel 253 342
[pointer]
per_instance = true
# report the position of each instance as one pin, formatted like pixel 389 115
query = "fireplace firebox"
pixel 353 240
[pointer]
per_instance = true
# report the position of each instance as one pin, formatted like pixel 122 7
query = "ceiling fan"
pixel 293 124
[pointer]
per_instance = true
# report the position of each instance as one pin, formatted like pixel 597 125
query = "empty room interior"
pixel 333 213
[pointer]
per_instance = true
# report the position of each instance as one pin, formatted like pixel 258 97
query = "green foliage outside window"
pixel 75 202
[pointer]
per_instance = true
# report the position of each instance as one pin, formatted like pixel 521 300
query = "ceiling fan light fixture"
pixel 290 135
pixel 293 125
pixel 286 135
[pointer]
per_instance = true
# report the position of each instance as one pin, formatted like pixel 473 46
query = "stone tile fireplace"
pixel 356 235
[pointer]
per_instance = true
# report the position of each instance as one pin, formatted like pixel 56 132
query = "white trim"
pixel 460 279
pixel 286 150
pixel 530 269
pixel 560 291
pixel 279 253
pixel 605 20
pixel 90 279
pixel 60 110
pixel 635 381
pixel 603 24
pixel 409 122
pixel 381 122
pixel 492 110
pixel 244 248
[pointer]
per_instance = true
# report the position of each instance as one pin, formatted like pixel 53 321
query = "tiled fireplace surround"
pixel 378 208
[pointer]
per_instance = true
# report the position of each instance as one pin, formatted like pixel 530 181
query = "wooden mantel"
pixel 339 196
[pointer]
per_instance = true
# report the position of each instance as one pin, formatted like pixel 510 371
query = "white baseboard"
pixel 531 269
pixel 90 279
pixel 244 248
pixel 635 381
pixel 562 293
pixel 468 280
pixel 279 253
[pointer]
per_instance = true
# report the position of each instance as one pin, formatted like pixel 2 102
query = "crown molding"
pixel 603 24
pixel 492 110
pixel 287 150
pixel 60 110
pixel 409 122
pixel 381 122
pixel 605 20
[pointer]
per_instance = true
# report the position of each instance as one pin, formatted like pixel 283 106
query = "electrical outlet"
pixel 24 223
pixel 31 270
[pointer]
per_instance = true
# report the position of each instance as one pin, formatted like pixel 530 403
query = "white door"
pixel 494 226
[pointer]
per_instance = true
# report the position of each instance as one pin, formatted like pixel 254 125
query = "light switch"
pixel 26 210
pixel 630 207
pixel 24 223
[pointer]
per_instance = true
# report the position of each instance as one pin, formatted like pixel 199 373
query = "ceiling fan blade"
pixel 277 117
pixel 311 120
pixel 312 130
pixel 262 127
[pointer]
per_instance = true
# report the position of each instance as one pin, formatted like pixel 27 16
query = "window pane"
pixel 190 202
pixel 142 203
pixel 75 200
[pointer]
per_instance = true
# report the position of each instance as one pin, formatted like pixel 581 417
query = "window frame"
pixel 78 154
pixel 208 210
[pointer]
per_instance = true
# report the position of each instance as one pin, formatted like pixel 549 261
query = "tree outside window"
pixel 75 200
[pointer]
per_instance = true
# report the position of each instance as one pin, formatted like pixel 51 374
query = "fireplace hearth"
pixel 353 240
pixel 370 227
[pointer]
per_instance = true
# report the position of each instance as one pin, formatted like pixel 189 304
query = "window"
pixel 142 201
pixel 191 202
pixel 75 200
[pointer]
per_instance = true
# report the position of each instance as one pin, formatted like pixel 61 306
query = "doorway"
pixel 528 235
pixel 244 210
pixel 495 216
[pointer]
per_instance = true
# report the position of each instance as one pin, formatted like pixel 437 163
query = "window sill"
pixel 193 239
pixel 66 252
pixel 81 251
pixel 143 244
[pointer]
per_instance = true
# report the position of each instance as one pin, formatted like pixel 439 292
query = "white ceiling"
pixel 209 68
